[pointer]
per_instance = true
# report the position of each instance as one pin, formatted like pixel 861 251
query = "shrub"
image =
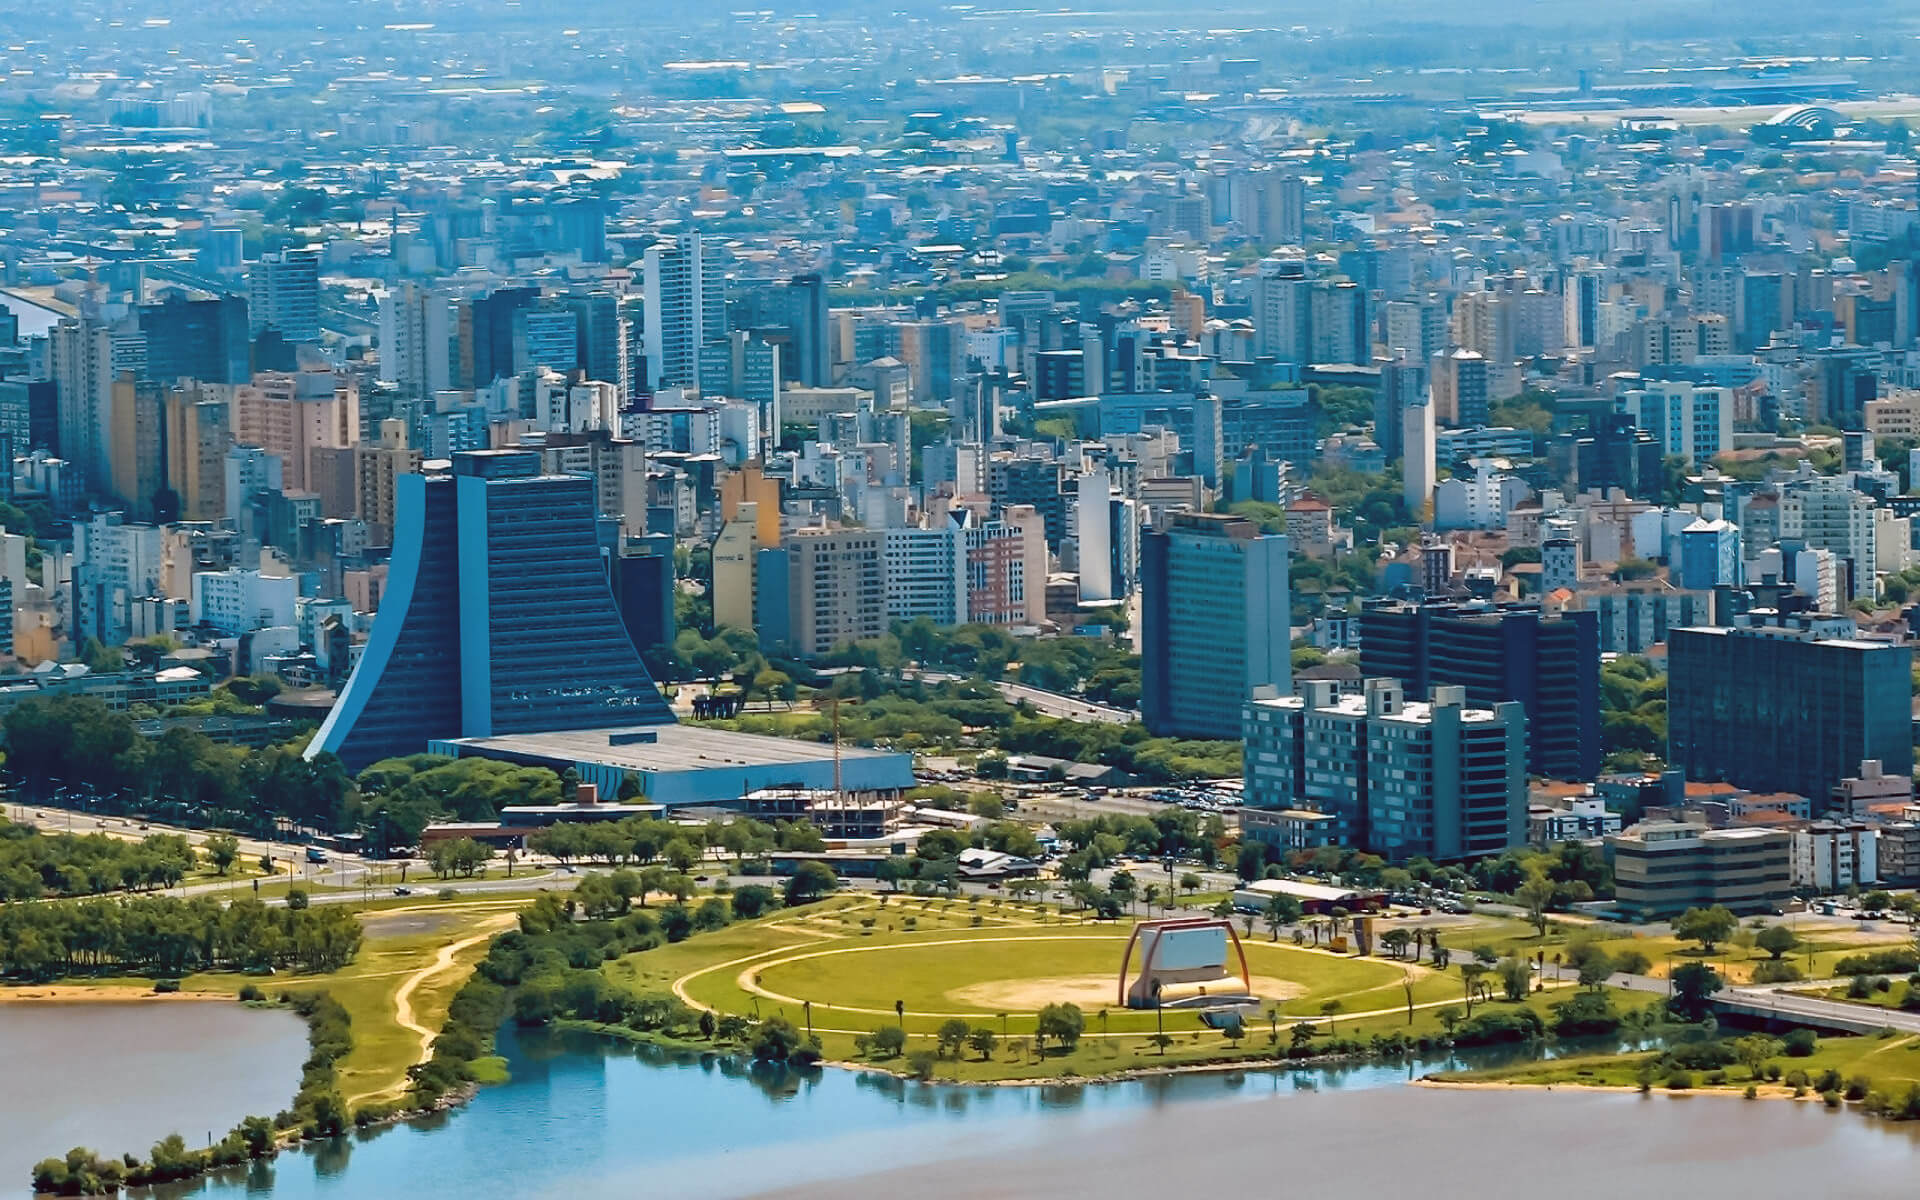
pixel 1897 960
pixel 1797 1080
pixel 1829 1081
pixel 1751 1092
pixel 166 986
pixel 1702 1056
pixel 249 994
pixel 1716 1078
pixel 1775 971
pixel 1800 1043
pixel 1859 988
pixel 1858 1087
pixel 1679 1081
pixel 1499 1025
pixel 921 1063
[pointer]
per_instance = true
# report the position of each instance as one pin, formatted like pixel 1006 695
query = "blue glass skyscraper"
pixel 497 619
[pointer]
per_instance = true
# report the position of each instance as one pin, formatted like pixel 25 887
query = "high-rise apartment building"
pixel 1215 620
pixel 1438 779
pixel 80 359
pixel 1689 420
pixel 283 294
pixel 1462 389
pixel 837 588
pixel 497 618
pixel 290 413
pixel 1825 512
pixel 198 434
pixel 1499 653
pixel 137 463
pixel 685 307
pixel 1787 707
pixel 1283 311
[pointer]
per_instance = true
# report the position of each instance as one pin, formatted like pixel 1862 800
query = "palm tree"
pixel 1327 1009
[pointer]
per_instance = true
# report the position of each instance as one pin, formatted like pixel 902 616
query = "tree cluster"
pixel 35 864
pixel 168 937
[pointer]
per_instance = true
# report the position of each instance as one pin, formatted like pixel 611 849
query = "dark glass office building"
pixel 497 619
pixel 1783 710
pixel 1499 653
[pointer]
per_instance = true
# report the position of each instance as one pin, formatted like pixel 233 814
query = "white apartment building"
pixel 237 600
pixel 1831 856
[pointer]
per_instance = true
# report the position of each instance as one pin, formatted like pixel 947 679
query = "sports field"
pixel 853 964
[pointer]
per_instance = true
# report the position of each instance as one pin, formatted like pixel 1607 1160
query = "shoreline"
pixel 98 993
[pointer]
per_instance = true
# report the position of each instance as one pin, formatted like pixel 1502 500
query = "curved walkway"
pixel 403 998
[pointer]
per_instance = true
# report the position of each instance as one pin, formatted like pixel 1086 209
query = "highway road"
pixel 1044 702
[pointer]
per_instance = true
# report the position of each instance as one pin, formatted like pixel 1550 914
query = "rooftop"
pixel 671 748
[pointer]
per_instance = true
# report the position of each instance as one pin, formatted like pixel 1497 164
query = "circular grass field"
pixel 1007 971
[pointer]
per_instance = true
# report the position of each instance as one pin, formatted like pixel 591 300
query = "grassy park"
pixel 852 966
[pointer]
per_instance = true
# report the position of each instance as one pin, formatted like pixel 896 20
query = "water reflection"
pixel 584 1118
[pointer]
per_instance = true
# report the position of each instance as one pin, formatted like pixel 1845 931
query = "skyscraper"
pixel 1215 615
pixel 1789 708
pixel 1283 310
pixel 1499 653
pixel 80 358
pixel 1418 446
pixel 685 307
pixel 196 339
pixel 283 294
pixel 497 618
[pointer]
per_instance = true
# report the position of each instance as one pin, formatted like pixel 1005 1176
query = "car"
pixel 403 891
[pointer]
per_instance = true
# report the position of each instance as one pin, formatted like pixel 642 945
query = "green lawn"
pixel 853 957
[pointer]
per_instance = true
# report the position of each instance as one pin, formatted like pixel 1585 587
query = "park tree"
pixel 809 882
pixel 223 850
pixel 1777 940
pixel 888 1041
pixel 1536 895
pixel 1595 969
pixel 981 1040
pixel 752 900
pixel 1280 911
pixel 1708 926
pixel 1694 985
pixel 1061 1024
pixel 1754 1050
pixel 1251 863
pixel 1516 976
pixel 952 1035
pixel 776 1040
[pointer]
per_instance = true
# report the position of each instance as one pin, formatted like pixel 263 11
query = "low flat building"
pixel 680 765
pixel 1286 829
pixel 975 863
pixel 852 816
pixel 1573 819
pixel 1661 868
pixel 1316 898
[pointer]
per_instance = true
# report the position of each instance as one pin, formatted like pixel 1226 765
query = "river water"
pixel 119 1076
pixel 583 1120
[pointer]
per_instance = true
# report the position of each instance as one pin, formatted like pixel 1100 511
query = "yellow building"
pixel 198 435
pixel 734 554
